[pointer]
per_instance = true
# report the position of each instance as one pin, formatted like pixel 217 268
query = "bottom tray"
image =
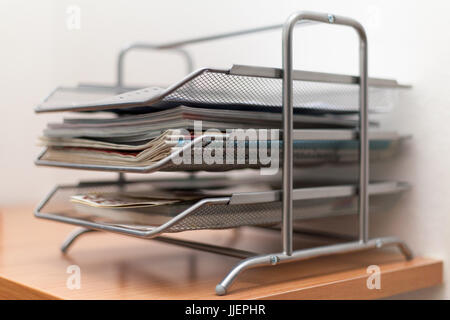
pixel 229 210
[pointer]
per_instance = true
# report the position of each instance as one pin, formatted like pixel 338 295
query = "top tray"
pixel 238 88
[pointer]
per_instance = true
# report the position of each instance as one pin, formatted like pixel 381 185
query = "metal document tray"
pixel 241 88
pixel 235 210
pixel 258 89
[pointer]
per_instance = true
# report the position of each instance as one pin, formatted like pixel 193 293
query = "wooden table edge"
pixel 431 271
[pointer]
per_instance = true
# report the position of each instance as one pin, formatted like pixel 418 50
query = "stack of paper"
pixel 143 139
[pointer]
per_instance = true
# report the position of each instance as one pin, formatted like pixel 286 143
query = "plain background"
pixel 408 40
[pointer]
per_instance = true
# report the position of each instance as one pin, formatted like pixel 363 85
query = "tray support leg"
pixel 299 255
pixel 72 237
pixel 363 242
pixel 288 106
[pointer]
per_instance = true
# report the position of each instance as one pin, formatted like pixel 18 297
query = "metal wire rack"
pixel 240 88
pixel 244 87
pixel 235 210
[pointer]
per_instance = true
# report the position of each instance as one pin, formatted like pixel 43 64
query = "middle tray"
pixel 311 147
pixel 210 212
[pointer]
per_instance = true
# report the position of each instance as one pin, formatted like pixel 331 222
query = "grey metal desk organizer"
pixel 255 208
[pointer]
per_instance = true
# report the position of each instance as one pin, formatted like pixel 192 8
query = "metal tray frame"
pixel 184 90
pixel 249 208
pixel 288 254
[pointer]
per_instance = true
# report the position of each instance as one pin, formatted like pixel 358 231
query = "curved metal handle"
pixel 147 46
pixel 288 102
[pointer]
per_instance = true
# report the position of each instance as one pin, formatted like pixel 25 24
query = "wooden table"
pixel 118 267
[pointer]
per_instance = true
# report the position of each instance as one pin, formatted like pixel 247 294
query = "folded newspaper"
pixel 150 206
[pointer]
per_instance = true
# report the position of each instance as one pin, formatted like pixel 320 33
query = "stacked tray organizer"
pixel 240 87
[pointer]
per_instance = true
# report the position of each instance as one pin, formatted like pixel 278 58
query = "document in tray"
pixel 253 119
pixel 150 125
pixel 145 215
pixel 117 201
pixel 143 140
pixel 150 207
pixel 139 199
pixel 212 151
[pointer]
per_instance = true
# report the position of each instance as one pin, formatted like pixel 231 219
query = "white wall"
pixel 408 40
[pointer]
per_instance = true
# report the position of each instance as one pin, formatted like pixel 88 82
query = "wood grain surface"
pixel 119 267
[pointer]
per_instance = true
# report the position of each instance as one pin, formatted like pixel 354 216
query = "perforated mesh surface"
pixel 224 216
pixel 214 88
